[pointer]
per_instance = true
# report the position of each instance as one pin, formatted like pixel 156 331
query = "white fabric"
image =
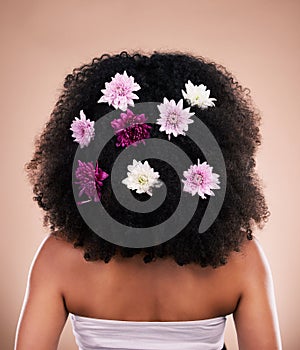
pixel 95 333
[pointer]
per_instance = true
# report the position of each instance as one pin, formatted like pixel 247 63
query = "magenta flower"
pixel 90 180
pixel 83 130
pixel 200 179
pixel 131 129
pixel 119 92
pixel 173 118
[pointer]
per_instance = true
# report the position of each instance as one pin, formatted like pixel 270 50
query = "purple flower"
pixel 83 130
pixel 131 129
pixel 119 92
pixel 90 180
pixel 200 179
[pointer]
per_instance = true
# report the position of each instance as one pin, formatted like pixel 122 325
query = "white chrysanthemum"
pixel 141 177
pixel 197 95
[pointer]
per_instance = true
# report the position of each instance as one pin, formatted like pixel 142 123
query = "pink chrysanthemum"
pixel 90 180
pixel 83 130
pixel 119 92
pixel 200 179
pixel 131 129
pixel 173 118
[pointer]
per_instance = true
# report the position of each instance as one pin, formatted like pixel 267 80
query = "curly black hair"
pixel 234 122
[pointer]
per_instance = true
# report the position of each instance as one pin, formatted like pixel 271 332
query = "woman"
pixel 176 292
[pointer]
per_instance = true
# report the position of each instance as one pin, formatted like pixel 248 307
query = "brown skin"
pixel 61 281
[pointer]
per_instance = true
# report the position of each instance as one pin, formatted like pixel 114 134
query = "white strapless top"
pixel 96 333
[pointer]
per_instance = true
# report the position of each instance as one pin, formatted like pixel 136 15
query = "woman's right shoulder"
pixel 255 316
pixel 251 253
pixel 250 265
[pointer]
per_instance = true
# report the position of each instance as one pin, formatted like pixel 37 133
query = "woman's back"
pixel 62 282
pixel 129 289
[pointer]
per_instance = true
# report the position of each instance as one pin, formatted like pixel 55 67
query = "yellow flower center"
pixel 143 179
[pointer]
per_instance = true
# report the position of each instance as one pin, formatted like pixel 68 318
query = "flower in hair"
pixel 119 92
pixel 83 130
pixel 90 180
pixel 141 177
pixel 173 118
pixel 200 179
pixel 131 129
pixel 197 95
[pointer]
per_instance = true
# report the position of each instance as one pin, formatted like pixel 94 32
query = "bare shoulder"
pixel 53 257
pixel 256 317
pixel 56 248
pixel 251 252
pixel 44 313
pixel 250 263
pixel 252 249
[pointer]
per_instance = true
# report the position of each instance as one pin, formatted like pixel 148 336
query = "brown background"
pixel 42 41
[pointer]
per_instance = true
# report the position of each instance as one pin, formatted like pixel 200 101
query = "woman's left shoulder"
pixel 54 256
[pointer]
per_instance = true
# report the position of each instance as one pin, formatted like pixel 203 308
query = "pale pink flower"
pixel 200 179
pixel 131 129
pixel 173 118
pixel 90 180
pixel 119 92
pixel 83 130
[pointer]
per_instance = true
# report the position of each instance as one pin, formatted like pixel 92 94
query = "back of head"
pixel 233 121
